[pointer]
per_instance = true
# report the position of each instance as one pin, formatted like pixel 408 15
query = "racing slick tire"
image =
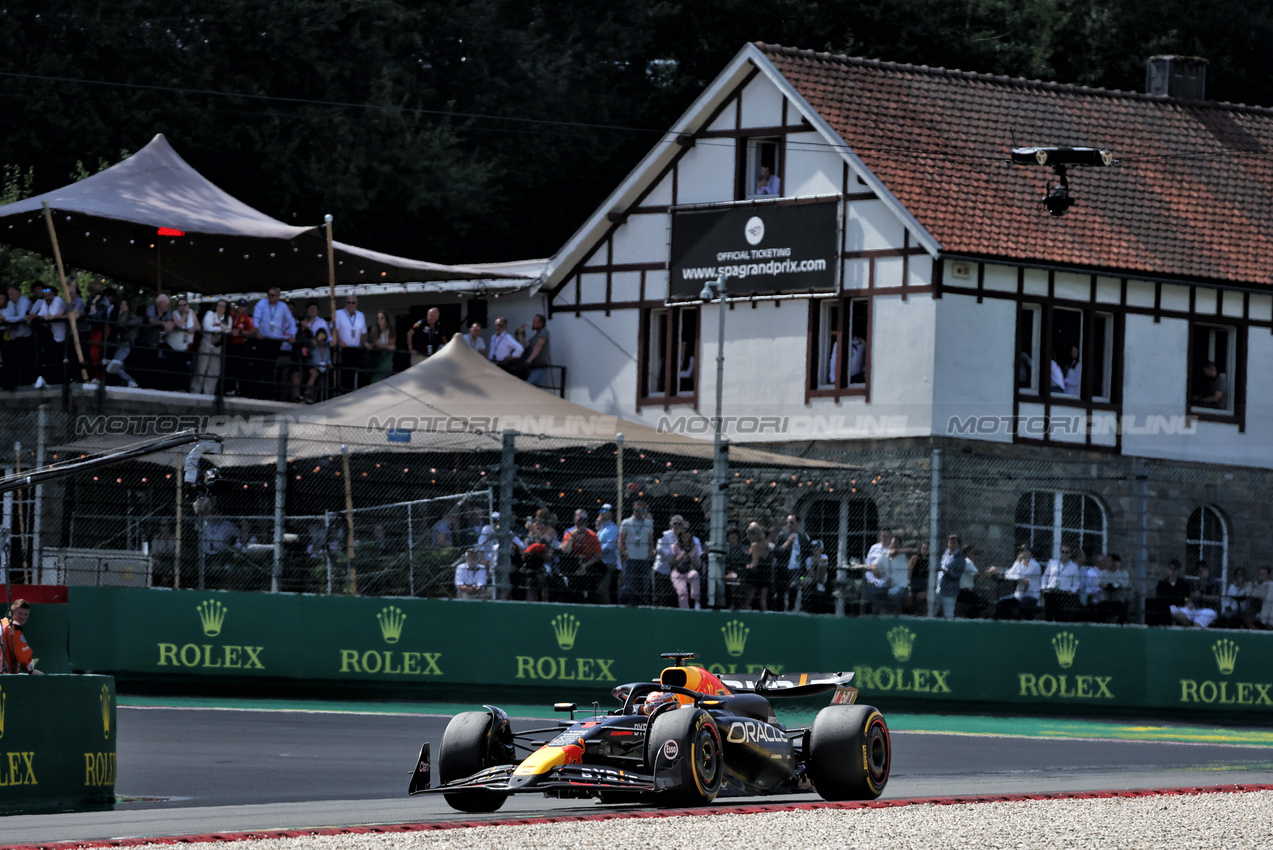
pixel 849 753
pixel 465 750
pixel 691 739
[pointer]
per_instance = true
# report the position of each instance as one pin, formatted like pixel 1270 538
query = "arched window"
pixel 1047 518
pixel 1207 539
pixel 846 526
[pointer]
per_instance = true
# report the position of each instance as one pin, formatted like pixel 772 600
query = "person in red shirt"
pixel 15 653
pixel 242 350
pixel 581 542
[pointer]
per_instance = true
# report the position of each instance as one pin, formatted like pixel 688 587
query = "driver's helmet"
pixel 655 699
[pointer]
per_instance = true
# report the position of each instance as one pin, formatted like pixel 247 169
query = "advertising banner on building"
pixel 762 249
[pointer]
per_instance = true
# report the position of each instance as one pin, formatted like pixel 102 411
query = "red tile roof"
pixel 1192 197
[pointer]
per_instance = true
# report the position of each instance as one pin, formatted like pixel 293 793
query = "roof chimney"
pixel 1183 77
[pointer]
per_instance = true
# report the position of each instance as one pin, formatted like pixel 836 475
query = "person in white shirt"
pixel 180 339
pixel 471 576
pixel 636 547
pixel 1061 581
pixel 47 319
pixel 216 324
pixel 1057 377
pixel 276 331
pixel 879 548
pixel 888 578
pixel 17 348
pixel 503 349
pixel 1116 583
pixel 769 183
pixel 474 338
pixel 351 333
pixel 1023 602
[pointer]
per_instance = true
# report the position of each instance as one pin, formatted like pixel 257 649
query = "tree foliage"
pixel 488 129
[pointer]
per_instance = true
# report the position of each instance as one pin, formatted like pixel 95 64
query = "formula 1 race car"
pixel 680 741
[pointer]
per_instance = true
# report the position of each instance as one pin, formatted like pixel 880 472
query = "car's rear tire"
pixel 849 753
pixel 465 749
pixel 691 737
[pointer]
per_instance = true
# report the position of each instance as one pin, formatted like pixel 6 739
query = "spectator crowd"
pixel 265 350
pixel 602 559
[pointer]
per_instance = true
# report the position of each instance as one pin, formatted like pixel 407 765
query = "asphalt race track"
pixel 198 771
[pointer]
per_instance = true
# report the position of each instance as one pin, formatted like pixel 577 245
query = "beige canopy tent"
pixel 154 220
pixel 458 401
pixel 455 401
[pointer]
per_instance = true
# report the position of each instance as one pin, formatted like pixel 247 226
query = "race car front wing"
pixel 565 777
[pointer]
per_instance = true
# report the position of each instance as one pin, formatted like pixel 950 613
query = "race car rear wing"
pixel 771 684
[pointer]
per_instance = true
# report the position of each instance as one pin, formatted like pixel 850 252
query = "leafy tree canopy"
pixel 488 129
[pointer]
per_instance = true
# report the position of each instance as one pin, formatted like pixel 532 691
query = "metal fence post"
pixel 1142 540
pixel 327 547
pixel 280 505
pixel 507 475
pixel 934 533
pixel 37 508
pixel 410 553
pixel 717 547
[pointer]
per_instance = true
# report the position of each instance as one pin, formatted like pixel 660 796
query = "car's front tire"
pixel 465 749
pixel 690 740
pixel 849 753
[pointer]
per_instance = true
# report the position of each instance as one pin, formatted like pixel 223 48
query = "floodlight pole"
pixel 720 460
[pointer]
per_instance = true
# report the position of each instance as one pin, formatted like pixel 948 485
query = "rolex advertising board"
pixel 761 248
pixel 1217 672
pixel 57 743
pixel 580 649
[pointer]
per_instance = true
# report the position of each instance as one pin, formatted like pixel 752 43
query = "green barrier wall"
pixel 48 632
pixel 57 743
pixel 1045 666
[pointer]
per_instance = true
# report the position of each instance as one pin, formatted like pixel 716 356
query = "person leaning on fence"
pixel 17 345
pixel 15 653
pixel 48 321
pixel 472 576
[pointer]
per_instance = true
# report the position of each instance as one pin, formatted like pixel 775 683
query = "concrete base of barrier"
pixel 57 743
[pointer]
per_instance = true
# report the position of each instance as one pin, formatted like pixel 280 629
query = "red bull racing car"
pixel 682 740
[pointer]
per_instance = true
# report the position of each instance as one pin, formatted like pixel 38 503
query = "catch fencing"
pixel 318 508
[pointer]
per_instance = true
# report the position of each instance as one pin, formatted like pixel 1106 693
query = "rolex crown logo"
pixel 1066 645
pixel 902 640
pixel 211 616
pixel 391 620
pixel 735 637
pixel 1226 652
pixel 565 627
pixel 106 711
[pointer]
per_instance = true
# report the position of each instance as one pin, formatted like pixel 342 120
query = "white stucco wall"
pixel 975 361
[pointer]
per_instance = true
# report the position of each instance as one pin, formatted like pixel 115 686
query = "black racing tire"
pixel 849 753
pixel 693 735
pixel 465 750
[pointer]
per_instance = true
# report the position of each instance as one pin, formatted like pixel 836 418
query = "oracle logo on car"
pixel 743 731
